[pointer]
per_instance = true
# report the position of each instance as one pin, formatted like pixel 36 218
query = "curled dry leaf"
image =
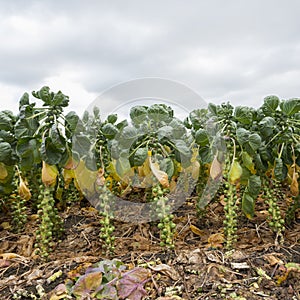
pixel 294 185
pixel 216 240
pixel 215 168
pixel 49 174
pixel 23 190
pixel 166 270
pixel 196 230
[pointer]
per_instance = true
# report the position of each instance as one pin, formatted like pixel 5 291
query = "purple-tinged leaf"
pixel 131 284
pixel 86 284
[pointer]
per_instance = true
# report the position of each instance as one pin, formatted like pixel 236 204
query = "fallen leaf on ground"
pixel 166 270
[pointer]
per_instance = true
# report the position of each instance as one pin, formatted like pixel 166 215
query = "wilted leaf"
pixel 68 176
pixel 215 168
pixel 60 292
pixel 49 174
pixel 216 240
pixel 235 172
pixel 85 178
pixel 86 284
pixel 196 230
pixel 161 176
pixel 166 270
pixel 294 184
pixel 5 225
pixel 247 161
pixel 24 191
pixel 3 171
pixel 288 268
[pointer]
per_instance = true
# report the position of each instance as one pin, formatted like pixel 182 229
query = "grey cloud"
pixel 218 48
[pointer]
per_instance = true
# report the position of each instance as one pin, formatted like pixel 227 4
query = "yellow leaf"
pixel 215 168
pixel 68 175
pixel 235 172
pixel 5 225
pixel 85 179
pixel 112 171
pixel 3 171
pixel 24 191
pixel 196 230
pixel 195 166
pixel 49 174
pixel 161 176
pixel 294 185
pixel 71 164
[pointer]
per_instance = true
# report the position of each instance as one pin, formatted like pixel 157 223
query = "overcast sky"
pixel 237 50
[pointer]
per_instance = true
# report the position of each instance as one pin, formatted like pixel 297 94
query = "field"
pixel 152 207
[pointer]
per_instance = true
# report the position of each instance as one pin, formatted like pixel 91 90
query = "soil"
pixel 198 268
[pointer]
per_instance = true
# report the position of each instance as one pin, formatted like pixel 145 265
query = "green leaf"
pixel 122 124
pixel 122 165
pixel 5 121
pixel 127 136
pixel 254 141
pixel 109 130
pixel 198 118
pixel 6 186
pixel 160 112
pixel 71 123
pixel 112 118
pixel 49 152
pixel 201 137
pixel 291 106
pixel 28 151
pixel 24 100
pixel 140 156
pixel 183 153
pixel 280 169
pixel 271 103
pixel 60 99
pixel 138 114
pixel 96 112
pixel 5 152
pixel 179 129
pixel 43 94
pixel 167 166
pixel 254 186
pixel 205 155
pixel 213 109
pixel 259 163
pixel 81 144
pixel 6 136
pixel 267 126
pixel 247 161
pixel 165 132
pixel 248 205
pixel 242 135
pixel 243 115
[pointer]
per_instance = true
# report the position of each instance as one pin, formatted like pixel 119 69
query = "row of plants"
pixel 50 159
